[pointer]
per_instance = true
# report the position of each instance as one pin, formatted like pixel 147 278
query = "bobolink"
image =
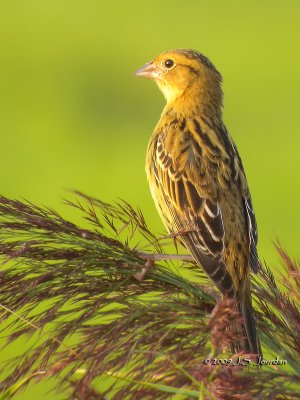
pixel 197 179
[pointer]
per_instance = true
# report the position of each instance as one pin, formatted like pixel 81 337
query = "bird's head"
pixel 183 73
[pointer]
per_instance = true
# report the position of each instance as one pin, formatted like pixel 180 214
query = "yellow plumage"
pixel 197 179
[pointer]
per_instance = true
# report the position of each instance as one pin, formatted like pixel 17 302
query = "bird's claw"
pixel 141 274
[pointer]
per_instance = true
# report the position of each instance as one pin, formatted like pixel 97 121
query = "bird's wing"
pixel 192 202
pixel 249 212
pixel 252 232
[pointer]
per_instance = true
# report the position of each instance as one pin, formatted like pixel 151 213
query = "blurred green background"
pixel 73 116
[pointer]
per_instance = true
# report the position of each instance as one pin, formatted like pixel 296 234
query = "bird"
pixel 198 182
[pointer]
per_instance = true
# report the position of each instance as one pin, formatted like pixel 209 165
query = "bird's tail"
pixel 250 343
pixel 218 273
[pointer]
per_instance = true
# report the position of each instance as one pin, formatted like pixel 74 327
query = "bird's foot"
pixel 139 276
pixel 181 232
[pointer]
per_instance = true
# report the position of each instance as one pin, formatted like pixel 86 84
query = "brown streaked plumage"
pixel 197 179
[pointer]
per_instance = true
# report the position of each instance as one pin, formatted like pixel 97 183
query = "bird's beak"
pixel 149 70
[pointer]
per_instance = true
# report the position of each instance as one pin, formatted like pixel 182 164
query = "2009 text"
pixel 243 361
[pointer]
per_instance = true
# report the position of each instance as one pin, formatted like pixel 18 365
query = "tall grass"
pixel 94 311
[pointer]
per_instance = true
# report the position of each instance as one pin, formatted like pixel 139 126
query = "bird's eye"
pixel 169 63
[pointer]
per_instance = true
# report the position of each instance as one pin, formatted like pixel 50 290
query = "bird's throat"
pixel 196 102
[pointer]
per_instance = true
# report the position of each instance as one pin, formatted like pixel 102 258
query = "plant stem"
pixel 162 257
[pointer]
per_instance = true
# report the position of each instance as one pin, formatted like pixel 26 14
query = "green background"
pixel 74 116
